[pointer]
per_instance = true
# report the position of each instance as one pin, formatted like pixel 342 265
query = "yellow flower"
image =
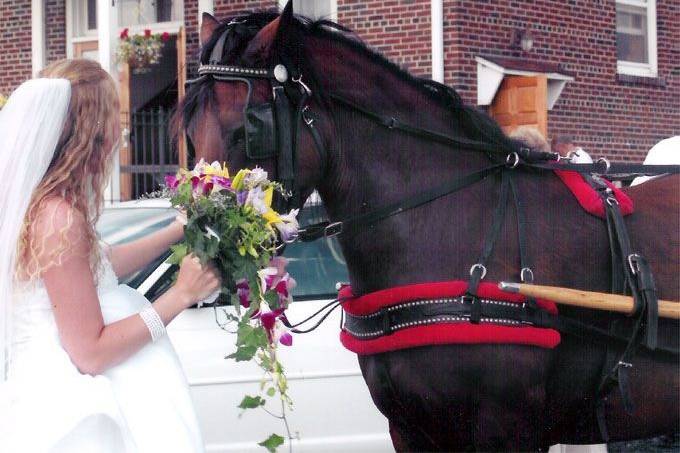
pixel 271 216
pixel 215 169
pixel 237 182
pixel 268 195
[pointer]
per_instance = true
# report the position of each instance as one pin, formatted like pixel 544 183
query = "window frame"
pixel 649 69
pixel 76 21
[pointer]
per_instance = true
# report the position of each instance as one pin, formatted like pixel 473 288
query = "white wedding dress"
pixel 141 405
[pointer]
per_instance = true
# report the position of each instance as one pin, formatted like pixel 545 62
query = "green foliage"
pixel 272 443
pixel 251 402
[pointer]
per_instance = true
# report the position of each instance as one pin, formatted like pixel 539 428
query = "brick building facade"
pixel 620 116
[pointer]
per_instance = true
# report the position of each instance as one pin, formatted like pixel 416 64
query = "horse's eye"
pixel 237 136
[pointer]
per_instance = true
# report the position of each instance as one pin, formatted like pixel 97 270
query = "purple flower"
pixel 282 288
pixel 222 182
pixel 268 320
pixel 243 292
pixel 286 339
pixel 241 197
pixel 171 181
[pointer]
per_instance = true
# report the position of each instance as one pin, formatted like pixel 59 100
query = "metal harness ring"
pixel 605 161
pixel 632 258
pixel 512 160
pixel 480 266
pixel 530 275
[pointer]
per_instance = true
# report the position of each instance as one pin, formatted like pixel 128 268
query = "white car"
pixel 332 412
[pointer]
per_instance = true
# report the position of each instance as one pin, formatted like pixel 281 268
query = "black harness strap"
pixel 394 123
pixel 310 118
pixel 526 272
pixel 327 229
pixel 629 271
pixel 285 160
pixel 604 167
pixel 478 270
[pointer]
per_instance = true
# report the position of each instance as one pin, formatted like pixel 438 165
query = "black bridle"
pixel 271 129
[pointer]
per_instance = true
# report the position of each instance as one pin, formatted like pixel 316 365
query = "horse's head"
pixel 251 104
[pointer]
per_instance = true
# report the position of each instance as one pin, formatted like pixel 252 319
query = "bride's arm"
pixel 133 256
pixel 92 346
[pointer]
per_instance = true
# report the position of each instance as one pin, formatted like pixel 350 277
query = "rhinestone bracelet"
pixel 153 322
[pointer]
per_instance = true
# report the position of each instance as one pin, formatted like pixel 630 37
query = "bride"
pixel 85 363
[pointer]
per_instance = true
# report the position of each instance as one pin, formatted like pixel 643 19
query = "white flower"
pixel 288 227
pixel 266 277
pixel 211 232
pixel 198 168
pixel 255 177
pixel 256 200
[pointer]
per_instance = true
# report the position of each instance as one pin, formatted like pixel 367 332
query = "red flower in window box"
pixel 124 34
pixel 147 33
pixel 165 36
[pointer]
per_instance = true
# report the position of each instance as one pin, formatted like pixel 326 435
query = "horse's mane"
pixel 476 123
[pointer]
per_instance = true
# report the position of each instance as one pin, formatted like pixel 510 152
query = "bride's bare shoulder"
pixel 56 229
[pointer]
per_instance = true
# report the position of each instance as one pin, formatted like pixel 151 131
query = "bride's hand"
pixel 195 280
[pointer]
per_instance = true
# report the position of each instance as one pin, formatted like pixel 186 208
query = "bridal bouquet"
pixel 230 221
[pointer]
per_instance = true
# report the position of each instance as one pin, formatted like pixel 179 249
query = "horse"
pixel 438 397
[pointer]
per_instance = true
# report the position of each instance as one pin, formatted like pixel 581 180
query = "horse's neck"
pixel 376 167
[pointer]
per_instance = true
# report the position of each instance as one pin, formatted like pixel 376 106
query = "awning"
pixel 491 70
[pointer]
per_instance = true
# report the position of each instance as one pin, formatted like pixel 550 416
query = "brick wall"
pixel 55 30
pixel 399 29
pixel 15 43
pixel 223 9
pixel 606 115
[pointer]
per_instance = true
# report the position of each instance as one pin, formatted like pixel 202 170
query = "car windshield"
pixel 316 266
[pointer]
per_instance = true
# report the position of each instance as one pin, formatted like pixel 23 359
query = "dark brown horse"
pixel 446 397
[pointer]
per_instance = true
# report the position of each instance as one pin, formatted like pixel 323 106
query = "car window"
pixel 316 266
pixel 120 225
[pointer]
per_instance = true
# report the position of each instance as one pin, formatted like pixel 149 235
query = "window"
pixel 636 37
pixel 143 12
pixel 84 18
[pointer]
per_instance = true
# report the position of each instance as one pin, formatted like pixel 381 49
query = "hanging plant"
pixel 140 51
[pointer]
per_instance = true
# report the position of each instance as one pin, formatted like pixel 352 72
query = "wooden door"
pixel 522 101
pixel 125 156
pixel 86 49
pixel 181 80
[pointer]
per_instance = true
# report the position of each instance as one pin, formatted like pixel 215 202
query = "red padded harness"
pixel 444 333
pixel 588 197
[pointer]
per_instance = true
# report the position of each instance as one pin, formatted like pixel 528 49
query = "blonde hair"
pixel 80 166
pixel 531 137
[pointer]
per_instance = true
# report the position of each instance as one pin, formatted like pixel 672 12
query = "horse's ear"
pixel 286 20
pixel 208 26
pixel 287 43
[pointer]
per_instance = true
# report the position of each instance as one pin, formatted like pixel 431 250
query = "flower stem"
pixel 285 421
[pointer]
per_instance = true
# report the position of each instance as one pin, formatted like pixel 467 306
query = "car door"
pixel 332 408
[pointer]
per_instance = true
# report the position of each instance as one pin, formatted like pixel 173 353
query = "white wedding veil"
pixel 31 123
